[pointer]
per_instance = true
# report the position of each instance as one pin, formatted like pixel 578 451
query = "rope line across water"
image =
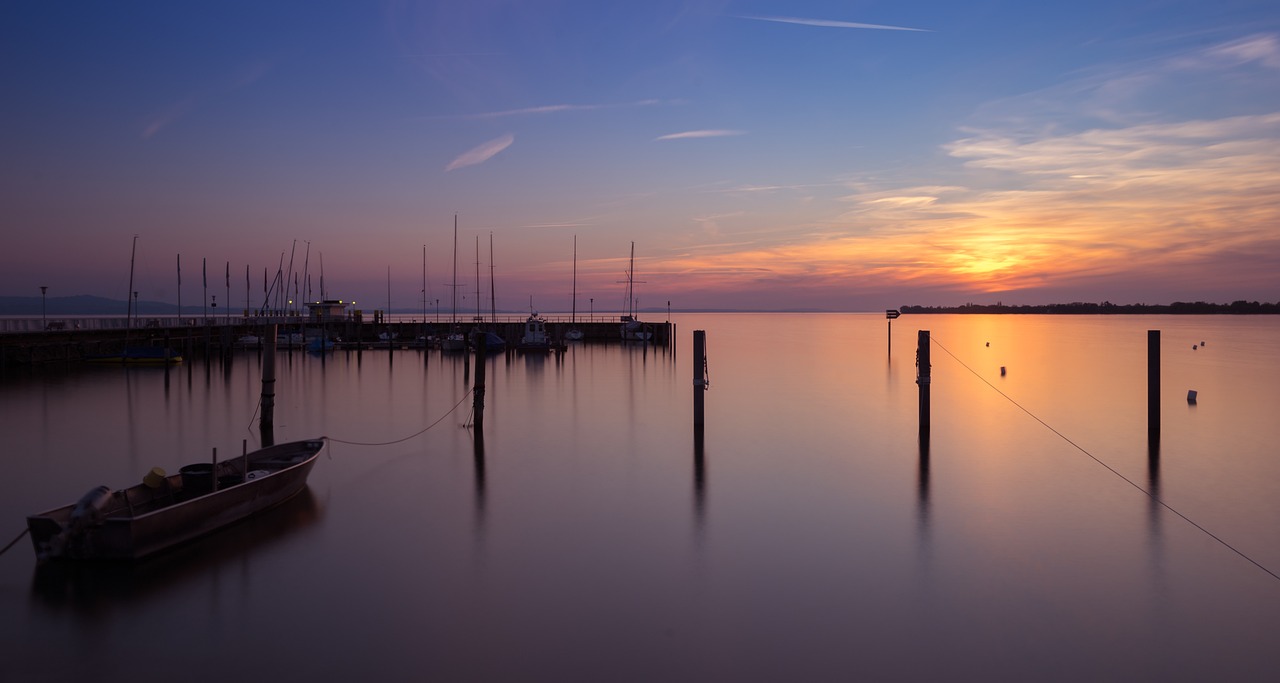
pixel 411 436
pixel 1080 448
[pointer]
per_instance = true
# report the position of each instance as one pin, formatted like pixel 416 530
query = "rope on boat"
pixel 1080 448
pixel 14 541
pixel 411 436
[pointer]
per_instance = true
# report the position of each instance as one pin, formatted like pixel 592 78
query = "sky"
pixel 760 155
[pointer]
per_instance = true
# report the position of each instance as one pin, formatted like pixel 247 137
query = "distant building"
pixel 329 310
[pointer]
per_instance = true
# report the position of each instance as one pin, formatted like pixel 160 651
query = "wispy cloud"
pixel 693 134
pixel 481 153
pixel 827 23
pixel 544 109
pixel 174 112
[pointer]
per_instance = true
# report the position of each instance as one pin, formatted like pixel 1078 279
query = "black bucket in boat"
pixel 197 479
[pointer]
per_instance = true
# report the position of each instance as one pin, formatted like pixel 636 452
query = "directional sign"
pixel 892 313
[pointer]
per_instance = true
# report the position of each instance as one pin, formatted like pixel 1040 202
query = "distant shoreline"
pixel 1108 308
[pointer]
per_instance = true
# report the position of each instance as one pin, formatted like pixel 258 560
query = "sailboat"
pixel 632 329
pixel 574 334
pixel 455 340
pixel 136 355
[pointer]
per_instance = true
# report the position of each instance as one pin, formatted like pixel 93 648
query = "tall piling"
pixel 699 375
pixel 923 376
pixel 266 425
pixel 1153 384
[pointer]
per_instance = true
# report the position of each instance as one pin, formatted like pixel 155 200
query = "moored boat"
pixel 535 336
pixel 166 510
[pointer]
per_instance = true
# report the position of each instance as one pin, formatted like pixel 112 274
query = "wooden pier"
pixel 75 340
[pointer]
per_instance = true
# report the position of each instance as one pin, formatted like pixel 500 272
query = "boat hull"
pixel 142 520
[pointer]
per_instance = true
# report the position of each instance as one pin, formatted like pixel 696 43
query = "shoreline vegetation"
pixel 1108 308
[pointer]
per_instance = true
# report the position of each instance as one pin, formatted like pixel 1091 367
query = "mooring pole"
pixel 889 315
pixel 266 426
pixel 923 376
pixel 699 374
pixel 477 397
pixel 1153 384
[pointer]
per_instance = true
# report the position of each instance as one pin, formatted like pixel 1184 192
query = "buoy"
pixel 1193 347
pixel 988 343
pixel 1191 396
pixel 1002 371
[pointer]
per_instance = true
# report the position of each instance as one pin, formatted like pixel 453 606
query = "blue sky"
pixel 836 155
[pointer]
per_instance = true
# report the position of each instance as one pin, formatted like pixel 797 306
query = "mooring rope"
pixel 1080 448
pixel 419 433
pixel 14 541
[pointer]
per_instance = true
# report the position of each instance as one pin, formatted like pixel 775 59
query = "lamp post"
pixel 43 323
pixel 592 313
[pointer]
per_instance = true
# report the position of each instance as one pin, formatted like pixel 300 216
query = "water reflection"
pixel 699 480
pixel 478 458
pixel 96 588
pixel 922 485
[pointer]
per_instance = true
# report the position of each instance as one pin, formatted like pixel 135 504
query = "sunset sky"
pixel 761 154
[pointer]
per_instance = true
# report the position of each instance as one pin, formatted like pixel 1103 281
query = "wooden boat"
pixel 164 511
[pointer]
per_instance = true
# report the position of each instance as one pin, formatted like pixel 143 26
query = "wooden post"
pixel 267 424
pixel 477 397
pixel 923 376
pixel 244 453
pixel 699 374
pixel 1153 383
pixel 214 484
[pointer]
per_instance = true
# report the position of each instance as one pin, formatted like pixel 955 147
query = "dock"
pixel 33 341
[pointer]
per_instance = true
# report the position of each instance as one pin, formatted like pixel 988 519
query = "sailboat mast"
pixel 478 316
pixel 572 315
pixel 132 255
pixel 129 315
pixel 493 296
pixel 453 289
pixel 631 277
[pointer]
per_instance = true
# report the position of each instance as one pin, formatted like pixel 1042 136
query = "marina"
pixel 23 342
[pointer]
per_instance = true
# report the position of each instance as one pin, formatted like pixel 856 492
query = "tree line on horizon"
pixel 1081 307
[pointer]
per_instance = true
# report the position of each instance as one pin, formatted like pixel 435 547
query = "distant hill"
pixel 81 305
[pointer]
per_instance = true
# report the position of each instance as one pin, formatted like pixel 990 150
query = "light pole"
pixel 43 323
pixel 592 313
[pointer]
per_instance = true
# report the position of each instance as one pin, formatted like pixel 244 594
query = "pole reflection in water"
pixel 922 490
pixel 699 480
pixel 1154 528
pixel 478 457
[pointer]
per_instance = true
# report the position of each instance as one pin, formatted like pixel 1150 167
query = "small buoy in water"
pixel 1193 347
pixel 1191 396
pixel 1202 343
pixel 988 343
pixel 1002 371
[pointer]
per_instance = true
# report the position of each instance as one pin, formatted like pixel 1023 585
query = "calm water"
pixel 810 534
